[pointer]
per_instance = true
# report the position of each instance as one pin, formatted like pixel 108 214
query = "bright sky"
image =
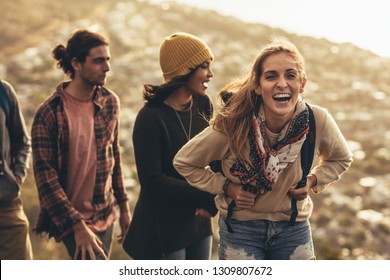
pixel 365 23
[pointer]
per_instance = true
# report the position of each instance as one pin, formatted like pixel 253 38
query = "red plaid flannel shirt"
pixel 50 152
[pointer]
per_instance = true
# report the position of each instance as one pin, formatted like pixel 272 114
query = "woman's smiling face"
pixel 280 85
pixel 199 80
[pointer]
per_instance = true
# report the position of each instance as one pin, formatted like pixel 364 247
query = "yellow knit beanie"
pixel 180 53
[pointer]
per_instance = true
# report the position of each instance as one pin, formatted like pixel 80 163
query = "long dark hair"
pixel 156 94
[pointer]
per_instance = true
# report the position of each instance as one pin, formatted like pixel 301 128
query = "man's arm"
pixel 20 140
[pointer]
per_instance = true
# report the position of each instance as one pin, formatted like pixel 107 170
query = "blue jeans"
pixel 265 240
pixel 200 250
pixel 105 237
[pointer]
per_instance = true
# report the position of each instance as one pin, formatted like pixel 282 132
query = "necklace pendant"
pixel 188 135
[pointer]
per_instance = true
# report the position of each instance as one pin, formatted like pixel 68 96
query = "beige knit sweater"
pixel 331 148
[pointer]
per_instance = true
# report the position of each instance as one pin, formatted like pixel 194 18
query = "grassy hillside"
pixel 350 82
pixel 26 23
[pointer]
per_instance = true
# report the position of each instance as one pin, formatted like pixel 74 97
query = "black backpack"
pixel 5 103
pixel 307 155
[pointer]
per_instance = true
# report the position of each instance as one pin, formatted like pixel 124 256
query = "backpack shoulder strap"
pixel 308 146
pixel 4 102
pixel 307 156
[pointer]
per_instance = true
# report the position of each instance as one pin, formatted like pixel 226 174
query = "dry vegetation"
pixel 351 83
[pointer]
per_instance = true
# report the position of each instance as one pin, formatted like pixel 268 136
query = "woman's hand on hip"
pixel 243 199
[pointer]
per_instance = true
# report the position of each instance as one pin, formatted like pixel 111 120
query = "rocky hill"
pixel 351 220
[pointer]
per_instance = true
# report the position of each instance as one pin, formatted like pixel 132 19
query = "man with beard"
pixel 76 156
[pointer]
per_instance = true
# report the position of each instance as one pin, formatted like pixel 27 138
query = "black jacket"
pixel 164 218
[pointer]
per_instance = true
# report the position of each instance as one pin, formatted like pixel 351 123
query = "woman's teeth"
pixel 282 97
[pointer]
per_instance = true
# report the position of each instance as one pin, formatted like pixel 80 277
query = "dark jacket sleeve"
pixel 19 136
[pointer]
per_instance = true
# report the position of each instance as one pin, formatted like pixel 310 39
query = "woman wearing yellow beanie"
pixel 172 220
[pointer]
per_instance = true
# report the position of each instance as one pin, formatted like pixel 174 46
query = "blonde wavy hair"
pixel 239 100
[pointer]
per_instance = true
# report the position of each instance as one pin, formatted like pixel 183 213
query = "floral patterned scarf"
pixel 268 162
